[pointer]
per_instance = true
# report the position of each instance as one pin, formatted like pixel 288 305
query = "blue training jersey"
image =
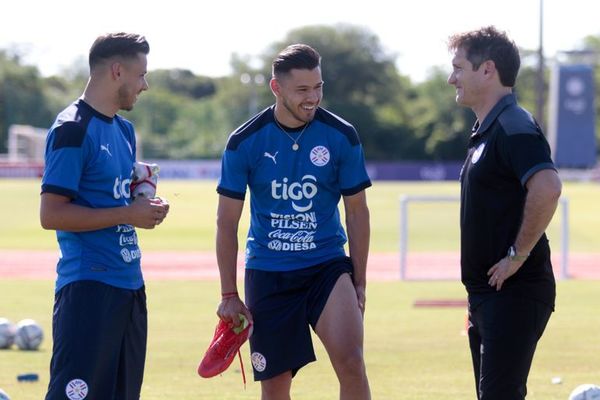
pixel 89 158
pixel 294 194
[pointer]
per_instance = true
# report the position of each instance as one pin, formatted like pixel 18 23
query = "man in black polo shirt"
pixel 509 192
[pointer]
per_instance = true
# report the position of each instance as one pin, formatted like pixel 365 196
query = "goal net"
pixel 26 144
pixel 429 238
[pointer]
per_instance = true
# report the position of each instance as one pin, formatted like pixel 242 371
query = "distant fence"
pixel 20 169
pixel 378 171
pixel 211 169
pixel 414 171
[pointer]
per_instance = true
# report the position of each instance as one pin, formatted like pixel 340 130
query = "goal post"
pixel 26 143
pixel 406 200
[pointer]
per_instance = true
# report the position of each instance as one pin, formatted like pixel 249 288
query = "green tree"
pixel 22 97
pixel 188 116
pixel 182 82
pixel 361 82
pixel 154 115
pixel 441 125
pixel 180 120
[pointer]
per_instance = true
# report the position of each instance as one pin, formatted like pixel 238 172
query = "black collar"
pixel 481 128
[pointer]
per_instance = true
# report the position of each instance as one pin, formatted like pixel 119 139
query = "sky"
pixel 202 35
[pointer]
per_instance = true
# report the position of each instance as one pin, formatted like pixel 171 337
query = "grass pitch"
pixel 191 222
pixel 411 353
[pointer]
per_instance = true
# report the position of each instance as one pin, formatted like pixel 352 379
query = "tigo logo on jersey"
pixel 295 191
pixel 319 156
pixel 121 188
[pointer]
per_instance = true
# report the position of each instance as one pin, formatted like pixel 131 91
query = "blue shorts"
pixel 283 305
pixel 99 333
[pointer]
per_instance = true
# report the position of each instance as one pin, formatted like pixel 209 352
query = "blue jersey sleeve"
pixel 66 150
pixel 234 174
pixel 353 173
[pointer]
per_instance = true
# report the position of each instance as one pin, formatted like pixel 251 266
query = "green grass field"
pixel 411 353
pixel 190 226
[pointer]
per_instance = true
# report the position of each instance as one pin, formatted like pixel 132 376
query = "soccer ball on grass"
pixel 3 395
pixel 585 392
pixel 7 334
pixel 29 335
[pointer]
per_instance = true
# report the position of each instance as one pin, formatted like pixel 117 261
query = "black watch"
pixel 513 256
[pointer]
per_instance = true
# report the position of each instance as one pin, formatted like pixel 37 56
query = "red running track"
pixel 202 265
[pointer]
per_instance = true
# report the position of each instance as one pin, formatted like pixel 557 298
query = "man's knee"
pixel 350 364
pixel 277 387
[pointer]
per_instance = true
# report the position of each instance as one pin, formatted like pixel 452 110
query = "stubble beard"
pixel 126 100
pixel 297 117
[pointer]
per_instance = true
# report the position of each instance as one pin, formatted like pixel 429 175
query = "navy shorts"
pixel 99 333
pixel 284 305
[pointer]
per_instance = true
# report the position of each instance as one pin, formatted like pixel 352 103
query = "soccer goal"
pixel 26 143
pixel 432 223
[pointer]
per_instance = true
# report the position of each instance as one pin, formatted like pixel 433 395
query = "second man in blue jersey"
pixel 298 160
pixel 100 320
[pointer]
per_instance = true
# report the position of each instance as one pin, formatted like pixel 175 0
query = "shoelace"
pixel 220 347
pixel 242 367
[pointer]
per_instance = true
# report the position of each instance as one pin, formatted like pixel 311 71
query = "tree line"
pixel 186 116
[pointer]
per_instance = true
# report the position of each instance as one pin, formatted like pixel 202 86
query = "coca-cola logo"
pixel 294 237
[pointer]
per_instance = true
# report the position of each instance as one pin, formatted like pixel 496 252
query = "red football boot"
pixel 225 343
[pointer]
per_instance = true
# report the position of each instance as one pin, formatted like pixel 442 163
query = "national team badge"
pixel 477 153
pixel 319 156
pixel 259 362
pixel 76 389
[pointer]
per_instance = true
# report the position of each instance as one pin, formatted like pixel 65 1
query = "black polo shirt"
pixel 505 150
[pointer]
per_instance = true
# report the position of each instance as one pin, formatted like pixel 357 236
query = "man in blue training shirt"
pixel 298 161
pixel 100 319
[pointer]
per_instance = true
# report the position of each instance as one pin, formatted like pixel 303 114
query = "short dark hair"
pixel 295 56
pixel 122 44
pixel 488 43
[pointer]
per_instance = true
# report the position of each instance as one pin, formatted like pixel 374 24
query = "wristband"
pixel 229 295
